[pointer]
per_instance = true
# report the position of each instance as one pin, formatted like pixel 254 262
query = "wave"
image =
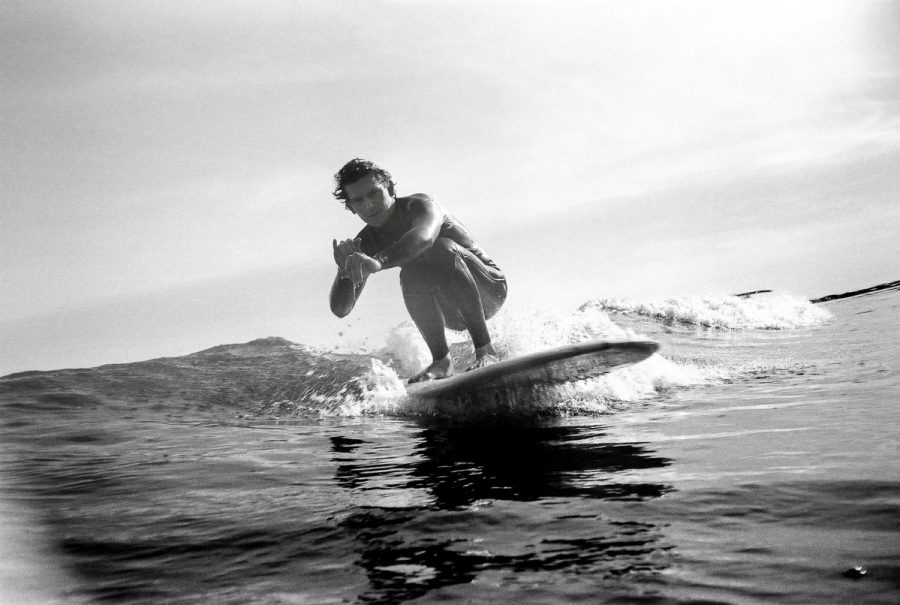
pixel 767 312
pixel 275 378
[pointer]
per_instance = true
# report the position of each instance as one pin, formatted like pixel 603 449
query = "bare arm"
pixel 426 226
pixel 427 218
pixel 344 293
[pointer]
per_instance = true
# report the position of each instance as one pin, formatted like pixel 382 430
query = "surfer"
pixel 445 278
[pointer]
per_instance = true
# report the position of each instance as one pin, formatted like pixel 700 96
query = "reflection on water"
pixel 510 501
pixel 459 466
pixel 146 511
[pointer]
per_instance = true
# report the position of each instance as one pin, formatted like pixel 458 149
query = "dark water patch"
pixel 173 567
pixel 344 445
pixel 462 465
pixel 235 542
pixel 16 424
pixel 70 474
pixel 406 556
pixel 832 505
pixel 83 438
pixel 49 402
pixel 459 532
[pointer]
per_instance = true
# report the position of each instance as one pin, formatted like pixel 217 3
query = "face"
pixel 370 200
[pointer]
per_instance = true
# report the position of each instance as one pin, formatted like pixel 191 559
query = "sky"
pixel 167 166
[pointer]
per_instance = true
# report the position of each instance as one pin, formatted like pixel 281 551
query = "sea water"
pixel 753 459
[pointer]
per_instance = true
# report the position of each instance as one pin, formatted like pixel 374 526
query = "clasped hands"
pixel 352 262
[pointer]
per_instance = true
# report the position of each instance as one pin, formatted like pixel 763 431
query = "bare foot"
pixel 484 356
pixel 439 368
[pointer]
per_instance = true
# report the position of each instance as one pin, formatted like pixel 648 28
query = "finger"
pixel 357 244
pixel 334 244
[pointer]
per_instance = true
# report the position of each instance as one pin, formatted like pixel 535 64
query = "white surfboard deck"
pixel 563 364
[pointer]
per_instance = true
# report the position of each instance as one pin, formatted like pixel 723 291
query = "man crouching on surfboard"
pixel 446 279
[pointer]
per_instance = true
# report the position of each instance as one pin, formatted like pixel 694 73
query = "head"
pixel 354 171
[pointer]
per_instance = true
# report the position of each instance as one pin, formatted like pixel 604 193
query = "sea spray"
pixel 520 332
pixel 761 312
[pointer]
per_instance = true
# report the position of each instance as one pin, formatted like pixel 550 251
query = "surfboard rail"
pixel 567 363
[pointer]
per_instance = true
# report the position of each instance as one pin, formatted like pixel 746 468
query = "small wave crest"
pixel 376 385
pixel 768 312
pixel 516 333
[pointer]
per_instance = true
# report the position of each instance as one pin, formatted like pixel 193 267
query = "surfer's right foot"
pixel 440 368
pixel 484 357
pixel 483 362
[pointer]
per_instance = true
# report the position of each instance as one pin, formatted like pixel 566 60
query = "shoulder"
pixel 416 199
pixel 419 203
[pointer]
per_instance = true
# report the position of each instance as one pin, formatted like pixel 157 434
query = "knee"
pixel 433 266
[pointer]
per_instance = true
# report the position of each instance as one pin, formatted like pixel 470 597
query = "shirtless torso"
pixel 445 277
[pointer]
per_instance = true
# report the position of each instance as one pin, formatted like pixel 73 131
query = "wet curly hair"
pixel 356 169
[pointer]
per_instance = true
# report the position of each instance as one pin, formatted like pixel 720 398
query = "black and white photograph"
pixel 450 301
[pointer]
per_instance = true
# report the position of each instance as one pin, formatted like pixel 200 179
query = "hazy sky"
pixel 167 166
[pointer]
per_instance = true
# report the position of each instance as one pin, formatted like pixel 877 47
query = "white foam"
pixel 762 312
pixel 515 333
pixel 379 389
pixel 376 390
pixel 405 349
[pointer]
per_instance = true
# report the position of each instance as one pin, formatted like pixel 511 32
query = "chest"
pixel 391 232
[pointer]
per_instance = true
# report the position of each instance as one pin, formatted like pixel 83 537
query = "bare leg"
pixel 428 317
pixel 442 273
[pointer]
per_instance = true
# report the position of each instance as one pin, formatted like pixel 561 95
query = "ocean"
pixel 753 459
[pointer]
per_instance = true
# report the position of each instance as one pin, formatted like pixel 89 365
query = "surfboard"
pixel 563 364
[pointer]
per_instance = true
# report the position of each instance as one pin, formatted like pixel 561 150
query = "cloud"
pixel 153 144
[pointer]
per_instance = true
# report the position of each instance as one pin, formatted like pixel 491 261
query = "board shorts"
pixel 459 281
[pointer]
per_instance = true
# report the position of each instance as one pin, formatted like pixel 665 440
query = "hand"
pixel 343 250
pixel 361 266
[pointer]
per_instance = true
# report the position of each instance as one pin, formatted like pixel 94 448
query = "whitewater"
pixel 752 459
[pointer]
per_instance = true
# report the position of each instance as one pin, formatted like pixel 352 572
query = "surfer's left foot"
pixel 484 356
pixel 440 368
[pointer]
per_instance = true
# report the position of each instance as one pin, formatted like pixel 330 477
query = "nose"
pixel 372 199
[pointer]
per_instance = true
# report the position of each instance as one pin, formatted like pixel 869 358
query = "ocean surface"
pixel 754 459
